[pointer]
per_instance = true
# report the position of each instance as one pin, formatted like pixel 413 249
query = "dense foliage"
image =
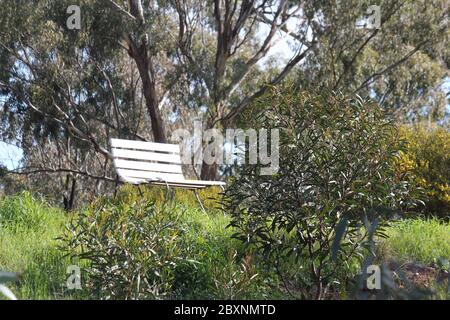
pixel 335 181
pixel 140 70
pixel 427 158
pixel 139 246
pixel 130 248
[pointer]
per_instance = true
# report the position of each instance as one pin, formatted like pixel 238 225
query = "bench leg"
pixel 140 191
pixel 221 203
pixel 170 193
pixel 115 186
pixel 199 201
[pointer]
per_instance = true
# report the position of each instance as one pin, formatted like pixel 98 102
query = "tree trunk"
pixel 209 171
pixel 69 197
pixel 144 66
pixel 139 53
pixel 151 99
pixel 72 194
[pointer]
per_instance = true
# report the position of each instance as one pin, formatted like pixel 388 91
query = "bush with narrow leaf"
pixel 141 246
pixel 130 248
pixel 426 156
pixel 334 188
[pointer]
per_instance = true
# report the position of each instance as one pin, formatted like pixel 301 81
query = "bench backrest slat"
pixel 147 166
pixel 143 145
pixel 147 155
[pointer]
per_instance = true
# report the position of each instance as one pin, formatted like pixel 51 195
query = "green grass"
pixel 28 229
pixel 417 240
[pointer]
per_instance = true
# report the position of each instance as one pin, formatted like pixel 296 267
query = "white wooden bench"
pixel 138 162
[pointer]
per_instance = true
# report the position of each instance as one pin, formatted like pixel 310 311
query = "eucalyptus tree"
pixel 402 62
pixel 138 69
pixel 63 92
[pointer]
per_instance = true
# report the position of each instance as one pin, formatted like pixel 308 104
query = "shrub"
pixel 131 249
pixel 427 158
pixel 140 246
pixel 335 182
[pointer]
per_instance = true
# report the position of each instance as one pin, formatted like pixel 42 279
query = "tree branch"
pixel 376 75
pixel 292 63
pixel 60 170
